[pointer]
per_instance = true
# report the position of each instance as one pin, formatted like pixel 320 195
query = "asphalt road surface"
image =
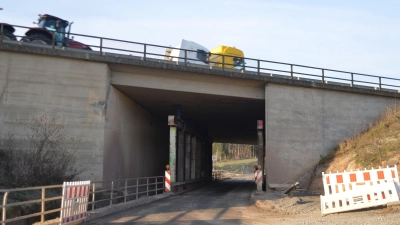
pixel 223 202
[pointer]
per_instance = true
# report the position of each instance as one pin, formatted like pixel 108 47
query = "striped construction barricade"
pixel 259 180
pixel 337 183
pixel 74 201
pixel 375 195
pixel 167 181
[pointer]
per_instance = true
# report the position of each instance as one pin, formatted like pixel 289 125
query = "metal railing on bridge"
pixel 144 51
pixel 46 200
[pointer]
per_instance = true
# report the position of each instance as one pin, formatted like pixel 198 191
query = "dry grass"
pixel 374 146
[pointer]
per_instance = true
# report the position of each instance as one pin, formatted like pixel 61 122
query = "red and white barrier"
pixel 359 189
pixel 74 201
pixel 380 194
pixel 259 180
pixel 337 183
pixel 255 176
pixel 167 181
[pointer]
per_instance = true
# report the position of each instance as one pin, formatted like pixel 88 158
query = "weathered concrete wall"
pixel 305 124
pixel 136 143
pixel 73 90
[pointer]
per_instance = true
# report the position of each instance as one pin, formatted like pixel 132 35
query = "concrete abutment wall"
pixel 73 90
pixel 136 142
pixel 305 124
pixel 118 138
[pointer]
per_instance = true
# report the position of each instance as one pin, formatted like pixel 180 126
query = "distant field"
pixel 238 166
pixel 246 161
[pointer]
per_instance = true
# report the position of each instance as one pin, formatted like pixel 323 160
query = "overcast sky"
pixel 358 36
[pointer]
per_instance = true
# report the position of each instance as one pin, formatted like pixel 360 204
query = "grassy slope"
pixel 236 166
pixel 377 146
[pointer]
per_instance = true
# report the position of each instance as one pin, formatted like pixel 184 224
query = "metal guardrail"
pixel 42 202
pixel 292 71
pixel 112 192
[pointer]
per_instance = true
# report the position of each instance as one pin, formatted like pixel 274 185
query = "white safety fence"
pixel 336 183
pixel 74 201
pixel 359 189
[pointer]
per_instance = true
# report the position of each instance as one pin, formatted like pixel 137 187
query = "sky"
pixel 356 36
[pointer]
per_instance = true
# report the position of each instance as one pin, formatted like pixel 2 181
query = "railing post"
pixel 137 189
pixel 156 185
pixel 147 187
pixel 163 184
pixel 112 192
pixel 43 204
pixel 380 83
pixel 323 76
pixel 291 72
pixel 126 190
pixel 101 46
pixel 258 67
pixel 144 51
pixel 1 32
pixel 53 41
pixel 352 79
pixel 223 63
pixel 185 57
pixel 4 211
pixel 93 195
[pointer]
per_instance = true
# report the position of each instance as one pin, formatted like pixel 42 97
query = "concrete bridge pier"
pixel 190 151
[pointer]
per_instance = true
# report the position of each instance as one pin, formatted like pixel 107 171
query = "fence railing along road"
pixel 46 200
pixel 123 48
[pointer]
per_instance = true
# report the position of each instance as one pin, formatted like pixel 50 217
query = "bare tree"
pixel 49 158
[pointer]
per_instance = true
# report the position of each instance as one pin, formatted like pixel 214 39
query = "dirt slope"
pixel 378 146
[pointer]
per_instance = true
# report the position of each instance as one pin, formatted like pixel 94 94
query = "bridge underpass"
pixel 221 115
pixel 227 119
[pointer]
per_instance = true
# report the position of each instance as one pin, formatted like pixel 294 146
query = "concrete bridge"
pixel 119 107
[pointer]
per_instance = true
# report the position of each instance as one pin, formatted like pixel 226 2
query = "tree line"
pixel 228 151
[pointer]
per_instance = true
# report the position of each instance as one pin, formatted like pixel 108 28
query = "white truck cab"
pixel 195 53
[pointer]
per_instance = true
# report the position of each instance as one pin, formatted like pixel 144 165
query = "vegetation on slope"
pixel 375 146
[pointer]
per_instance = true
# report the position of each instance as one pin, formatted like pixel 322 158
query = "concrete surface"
pixel 136 142
pixel 220 203
pixel 228 105
pixel 122 125
pixel 98 215
pixel 73 90
pixel 303 125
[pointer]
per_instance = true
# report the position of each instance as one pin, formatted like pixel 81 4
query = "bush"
pixel 49 157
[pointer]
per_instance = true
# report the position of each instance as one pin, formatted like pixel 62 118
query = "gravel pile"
pixel 278 208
